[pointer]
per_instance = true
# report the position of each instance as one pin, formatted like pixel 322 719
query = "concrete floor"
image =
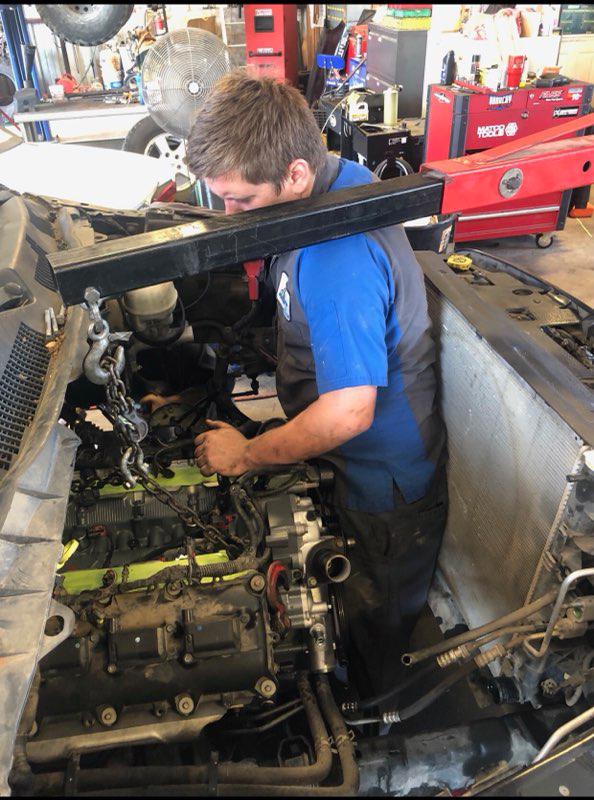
pixel 568 263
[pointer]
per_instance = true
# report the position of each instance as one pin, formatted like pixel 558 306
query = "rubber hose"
pixel 436 692
pixel 515 616
pixel 346 753
pixel 381 698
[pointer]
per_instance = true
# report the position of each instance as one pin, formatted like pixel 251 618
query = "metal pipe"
pixel 43 127
pixel 408 659
pixel 562 732
pixel 564 588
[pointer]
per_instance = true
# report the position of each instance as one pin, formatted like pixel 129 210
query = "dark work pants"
pixel 393 561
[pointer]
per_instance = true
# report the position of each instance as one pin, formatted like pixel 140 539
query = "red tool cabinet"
pixel 271 40
pixel 462 121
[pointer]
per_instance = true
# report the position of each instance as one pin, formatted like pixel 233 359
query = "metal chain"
pixel 114 478
pixel 131 428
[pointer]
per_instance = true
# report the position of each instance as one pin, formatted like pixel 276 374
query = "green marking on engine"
pixel 185 475
pixel 80 580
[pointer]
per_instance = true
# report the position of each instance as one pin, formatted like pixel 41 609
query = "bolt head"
pixel 257 583
pixel 184 704
pixel 112 669
pixel 188 658
pixel 312 582
pixel 107 715
pixel 266 687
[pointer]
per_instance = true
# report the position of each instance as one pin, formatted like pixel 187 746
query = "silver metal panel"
pixel 509 454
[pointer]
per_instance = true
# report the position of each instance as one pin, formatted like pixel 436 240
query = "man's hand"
pixel 222 450
pixel 155 401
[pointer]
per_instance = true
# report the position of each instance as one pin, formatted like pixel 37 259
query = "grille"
pixel 506 475
pixel 43 270
pixel 20 387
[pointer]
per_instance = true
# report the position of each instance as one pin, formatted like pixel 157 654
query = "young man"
pixel 355 371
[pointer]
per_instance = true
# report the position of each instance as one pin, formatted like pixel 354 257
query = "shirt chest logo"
pixel 284 297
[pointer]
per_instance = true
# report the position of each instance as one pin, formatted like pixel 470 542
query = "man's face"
pixel 239 195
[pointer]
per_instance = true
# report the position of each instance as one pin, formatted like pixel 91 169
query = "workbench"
pixel 84 119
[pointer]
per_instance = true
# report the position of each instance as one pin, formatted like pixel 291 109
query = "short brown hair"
pixel 255 127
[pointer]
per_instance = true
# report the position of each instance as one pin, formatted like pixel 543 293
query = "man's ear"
pixel 299 176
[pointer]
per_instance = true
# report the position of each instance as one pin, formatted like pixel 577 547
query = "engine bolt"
pixel 112 669
pixel 106 715
pixel 297 574
pixel 244 619
pixel 312 582
pixel 266 687
pixel 184 704
pixel 257 583
pixel 169 628
pixel 188 658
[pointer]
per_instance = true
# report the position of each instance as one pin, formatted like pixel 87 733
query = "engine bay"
pixel 196 634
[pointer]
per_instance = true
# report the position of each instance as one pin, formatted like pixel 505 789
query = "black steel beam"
pixel 119 265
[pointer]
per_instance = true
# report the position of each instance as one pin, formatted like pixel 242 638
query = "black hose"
pixel 423 702
pixel 346 754
pixel 437 691
pixel 378 699
pixel 260 715
pixel 247 318
pixel 266 726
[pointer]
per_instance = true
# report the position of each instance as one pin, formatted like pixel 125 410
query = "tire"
pixel 85 24
pixel 148 138
pixel 7 90
pixel 403 167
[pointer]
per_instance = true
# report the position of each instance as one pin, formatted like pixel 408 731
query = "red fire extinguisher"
pixel 513 75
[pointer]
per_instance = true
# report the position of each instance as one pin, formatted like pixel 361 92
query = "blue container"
pixel 139 84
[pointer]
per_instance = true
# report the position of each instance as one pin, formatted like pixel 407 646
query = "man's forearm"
pixel 321 427
pixel 285 445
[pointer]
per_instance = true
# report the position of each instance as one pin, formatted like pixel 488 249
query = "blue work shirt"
pixel 353 312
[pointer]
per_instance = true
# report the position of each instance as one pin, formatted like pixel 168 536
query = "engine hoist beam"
pixel 523 168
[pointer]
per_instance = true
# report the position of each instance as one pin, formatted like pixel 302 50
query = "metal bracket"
pixel 67 615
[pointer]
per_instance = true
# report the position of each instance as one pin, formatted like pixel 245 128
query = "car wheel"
pixel 7 90
pixel 149 139
pixel 85 24
pixel 394 167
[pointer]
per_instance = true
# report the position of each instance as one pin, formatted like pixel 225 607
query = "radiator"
pixel 516 407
